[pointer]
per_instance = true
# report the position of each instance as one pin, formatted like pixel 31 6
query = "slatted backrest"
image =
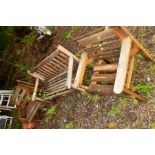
pixel 54 64
pixel 57 71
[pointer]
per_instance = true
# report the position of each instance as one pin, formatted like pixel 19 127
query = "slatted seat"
pixel 56 72
pixel 113 51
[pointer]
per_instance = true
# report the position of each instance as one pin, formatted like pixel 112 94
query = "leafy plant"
pixel 51 111
pixel 114 111
pixel 69 125
pixel 145 89
pixel 68 35
pixel 27 42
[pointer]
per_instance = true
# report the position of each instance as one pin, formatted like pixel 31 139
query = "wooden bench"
pixel 113 51
pixel 56 72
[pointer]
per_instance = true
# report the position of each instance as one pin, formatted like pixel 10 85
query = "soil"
pixel 82 112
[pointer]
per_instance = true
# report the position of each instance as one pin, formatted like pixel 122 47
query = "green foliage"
pixel 153 125
pixel 88 74
pixel 68 35
pixel 145 89
pixel 51 111
pixel 27 42
pixel 123 102
pixel 114 111
pixel 6 33
pixel 69 125
pixel 91 97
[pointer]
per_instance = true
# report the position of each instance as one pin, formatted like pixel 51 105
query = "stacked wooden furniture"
pixel 27 108
pixel 113 51
pixel 56 73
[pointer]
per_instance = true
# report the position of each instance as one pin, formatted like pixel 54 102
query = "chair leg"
pixel 130 92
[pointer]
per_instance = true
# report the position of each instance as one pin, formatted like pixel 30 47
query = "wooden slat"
pixel 64 61
pixel 81 70
pixel 89 33
pixel 36 75
pixel 55 82
pixel 100 36
pixel 33 111
pixel 58 94
pixel 105 47
pixel 122 65
pixel 129 74
pixel 57 76
pixel 57 66
pixel 51 87
pixel 65 51
pixel 56 91
pixel 15 95
pixel 101 89
pixel 106 67
pixel 21 97
pixel 55 69
pixel 48 58
pixel 59 62
pixel 103 77
pixel 50 68
pixel 70 72
pixel 127 91
pixel 104 54
pixel 35 89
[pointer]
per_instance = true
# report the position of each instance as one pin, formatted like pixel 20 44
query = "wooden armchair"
pixel 56 72
pixel 113 51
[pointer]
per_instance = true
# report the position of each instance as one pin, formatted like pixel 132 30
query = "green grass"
pixel 91 97
pixel 153 125
pixel 144 89
pixel 114 111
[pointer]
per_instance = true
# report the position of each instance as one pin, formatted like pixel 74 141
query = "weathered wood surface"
pixel 35 89
pixel 103 77
pixel 32 111
pixel 129 74
pixel 122 66
pixel 70 73
pixel 127 91
pixel 89 33
pixel 100 36
pixel 123 31
pixel 101 89
pixel 106 67
pixel 65 51
pixel 106 46
pixel 81 70
pixel 21 97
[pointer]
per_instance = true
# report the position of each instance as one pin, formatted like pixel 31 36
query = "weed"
pixel 153 125
pixel 91 97
pixel 68 35
pixel 51 111
pixel 145 89
pixel 114 111
pixel 135 102
pixel 69 125
pixel 123 102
